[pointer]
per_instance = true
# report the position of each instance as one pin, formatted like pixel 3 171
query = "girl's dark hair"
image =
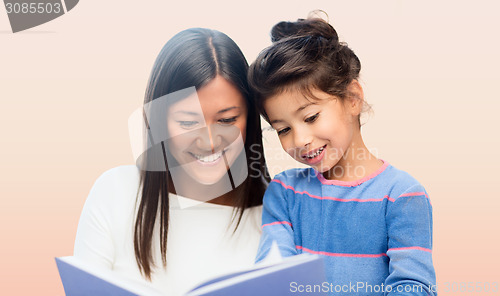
pixel 194 57
pixel 305 55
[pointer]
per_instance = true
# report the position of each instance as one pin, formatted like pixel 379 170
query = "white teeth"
pixel 316 154
pixel 208 158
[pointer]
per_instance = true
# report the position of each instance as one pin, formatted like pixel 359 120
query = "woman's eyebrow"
pixel 187 112
pixel 227 109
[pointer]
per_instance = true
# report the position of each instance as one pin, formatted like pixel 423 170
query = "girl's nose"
pixel 302 137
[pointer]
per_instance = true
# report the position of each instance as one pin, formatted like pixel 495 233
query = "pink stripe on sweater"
pixel 278 222
pixel 354 183
pixel 333 198
pixel 361 255
pixel 414 194
pixel 341 254
pixel 411 248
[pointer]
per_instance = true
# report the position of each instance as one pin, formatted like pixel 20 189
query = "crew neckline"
pixel 185 202
pixel 354 183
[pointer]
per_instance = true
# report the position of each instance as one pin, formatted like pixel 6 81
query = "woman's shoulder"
pixel 117 177
pixel 121 183
pixel 120 174
pixel 107 216
pixel 250 224
pixel 255 212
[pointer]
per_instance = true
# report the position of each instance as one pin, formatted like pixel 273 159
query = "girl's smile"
pixel 314 156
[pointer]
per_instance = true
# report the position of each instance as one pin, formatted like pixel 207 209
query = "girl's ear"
pixel 355 98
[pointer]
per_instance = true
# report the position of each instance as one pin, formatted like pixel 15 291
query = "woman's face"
pixel 207 130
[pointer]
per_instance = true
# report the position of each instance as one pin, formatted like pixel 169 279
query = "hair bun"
pixel 304 27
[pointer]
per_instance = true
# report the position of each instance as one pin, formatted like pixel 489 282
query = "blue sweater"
pixel 375 234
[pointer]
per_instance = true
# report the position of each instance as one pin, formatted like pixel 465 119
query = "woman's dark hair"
pixel 194 57
pixel 305 55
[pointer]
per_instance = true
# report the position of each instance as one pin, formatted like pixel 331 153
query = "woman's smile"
pixel 208 159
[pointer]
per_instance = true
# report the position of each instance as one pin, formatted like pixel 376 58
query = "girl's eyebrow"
pixel 304 106
pixel 298 110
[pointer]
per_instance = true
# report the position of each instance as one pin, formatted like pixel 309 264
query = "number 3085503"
pixel 470 287
pixel 33 8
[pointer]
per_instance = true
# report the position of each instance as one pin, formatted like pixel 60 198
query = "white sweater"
pixel 200 244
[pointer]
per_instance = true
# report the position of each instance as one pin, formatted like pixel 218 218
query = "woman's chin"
pixel 204 175
pixel 209 179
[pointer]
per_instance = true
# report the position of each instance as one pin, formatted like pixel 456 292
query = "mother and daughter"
pixel 371 222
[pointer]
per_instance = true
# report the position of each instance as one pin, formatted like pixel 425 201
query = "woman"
pixel 148 222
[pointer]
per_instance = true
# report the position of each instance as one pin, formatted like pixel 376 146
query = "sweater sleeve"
pixel 276 223
pixel 94 243
pixel 409 226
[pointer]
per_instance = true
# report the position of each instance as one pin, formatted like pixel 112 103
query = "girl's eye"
pixel 312 118
pixel 283 131
pixel 187 124
pixel 228 120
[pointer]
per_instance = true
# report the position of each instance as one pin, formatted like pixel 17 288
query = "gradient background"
pixel 67 88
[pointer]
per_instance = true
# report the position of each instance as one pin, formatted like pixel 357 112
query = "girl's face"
pixel 207 130
pixel 314 131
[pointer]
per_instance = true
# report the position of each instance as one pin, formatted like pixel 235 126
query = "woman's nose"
pixel 208 138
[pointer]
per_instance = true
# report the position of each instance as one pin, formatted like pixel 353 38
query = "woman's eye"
pixel 187 124
pixel 228 120
pixel 283 131
pixel 312 118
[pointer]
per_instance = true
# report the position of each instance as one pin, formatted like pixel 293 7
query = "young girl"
pixel 371 222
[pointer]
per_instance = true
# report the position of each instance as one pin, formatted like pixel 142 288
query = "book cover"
pixel 273 276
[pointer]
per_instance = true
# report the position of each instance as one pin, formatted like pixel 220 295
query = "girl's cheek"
pixel 286 147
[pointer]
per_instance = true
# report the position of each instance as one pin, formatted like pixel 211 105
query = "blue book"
pixel 81 279
pixel 298 275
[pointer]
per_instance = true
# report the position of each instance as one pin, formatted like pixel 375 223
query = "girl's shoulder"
pixel 401 182
pixel 295 175
pixel 296 178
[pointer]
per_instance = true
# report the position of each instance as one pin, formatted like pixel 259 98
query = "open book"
pixel 273 276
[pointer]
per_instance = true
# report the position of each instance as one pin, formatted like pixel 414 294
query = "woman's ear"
pixel 355 97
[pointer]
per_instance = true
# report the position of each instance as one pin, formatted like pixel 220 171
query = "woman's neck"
pixel 227 199
pixel 215 194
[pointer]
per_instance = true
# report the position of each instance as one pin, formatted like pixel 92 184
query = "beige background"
pixel 430 70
